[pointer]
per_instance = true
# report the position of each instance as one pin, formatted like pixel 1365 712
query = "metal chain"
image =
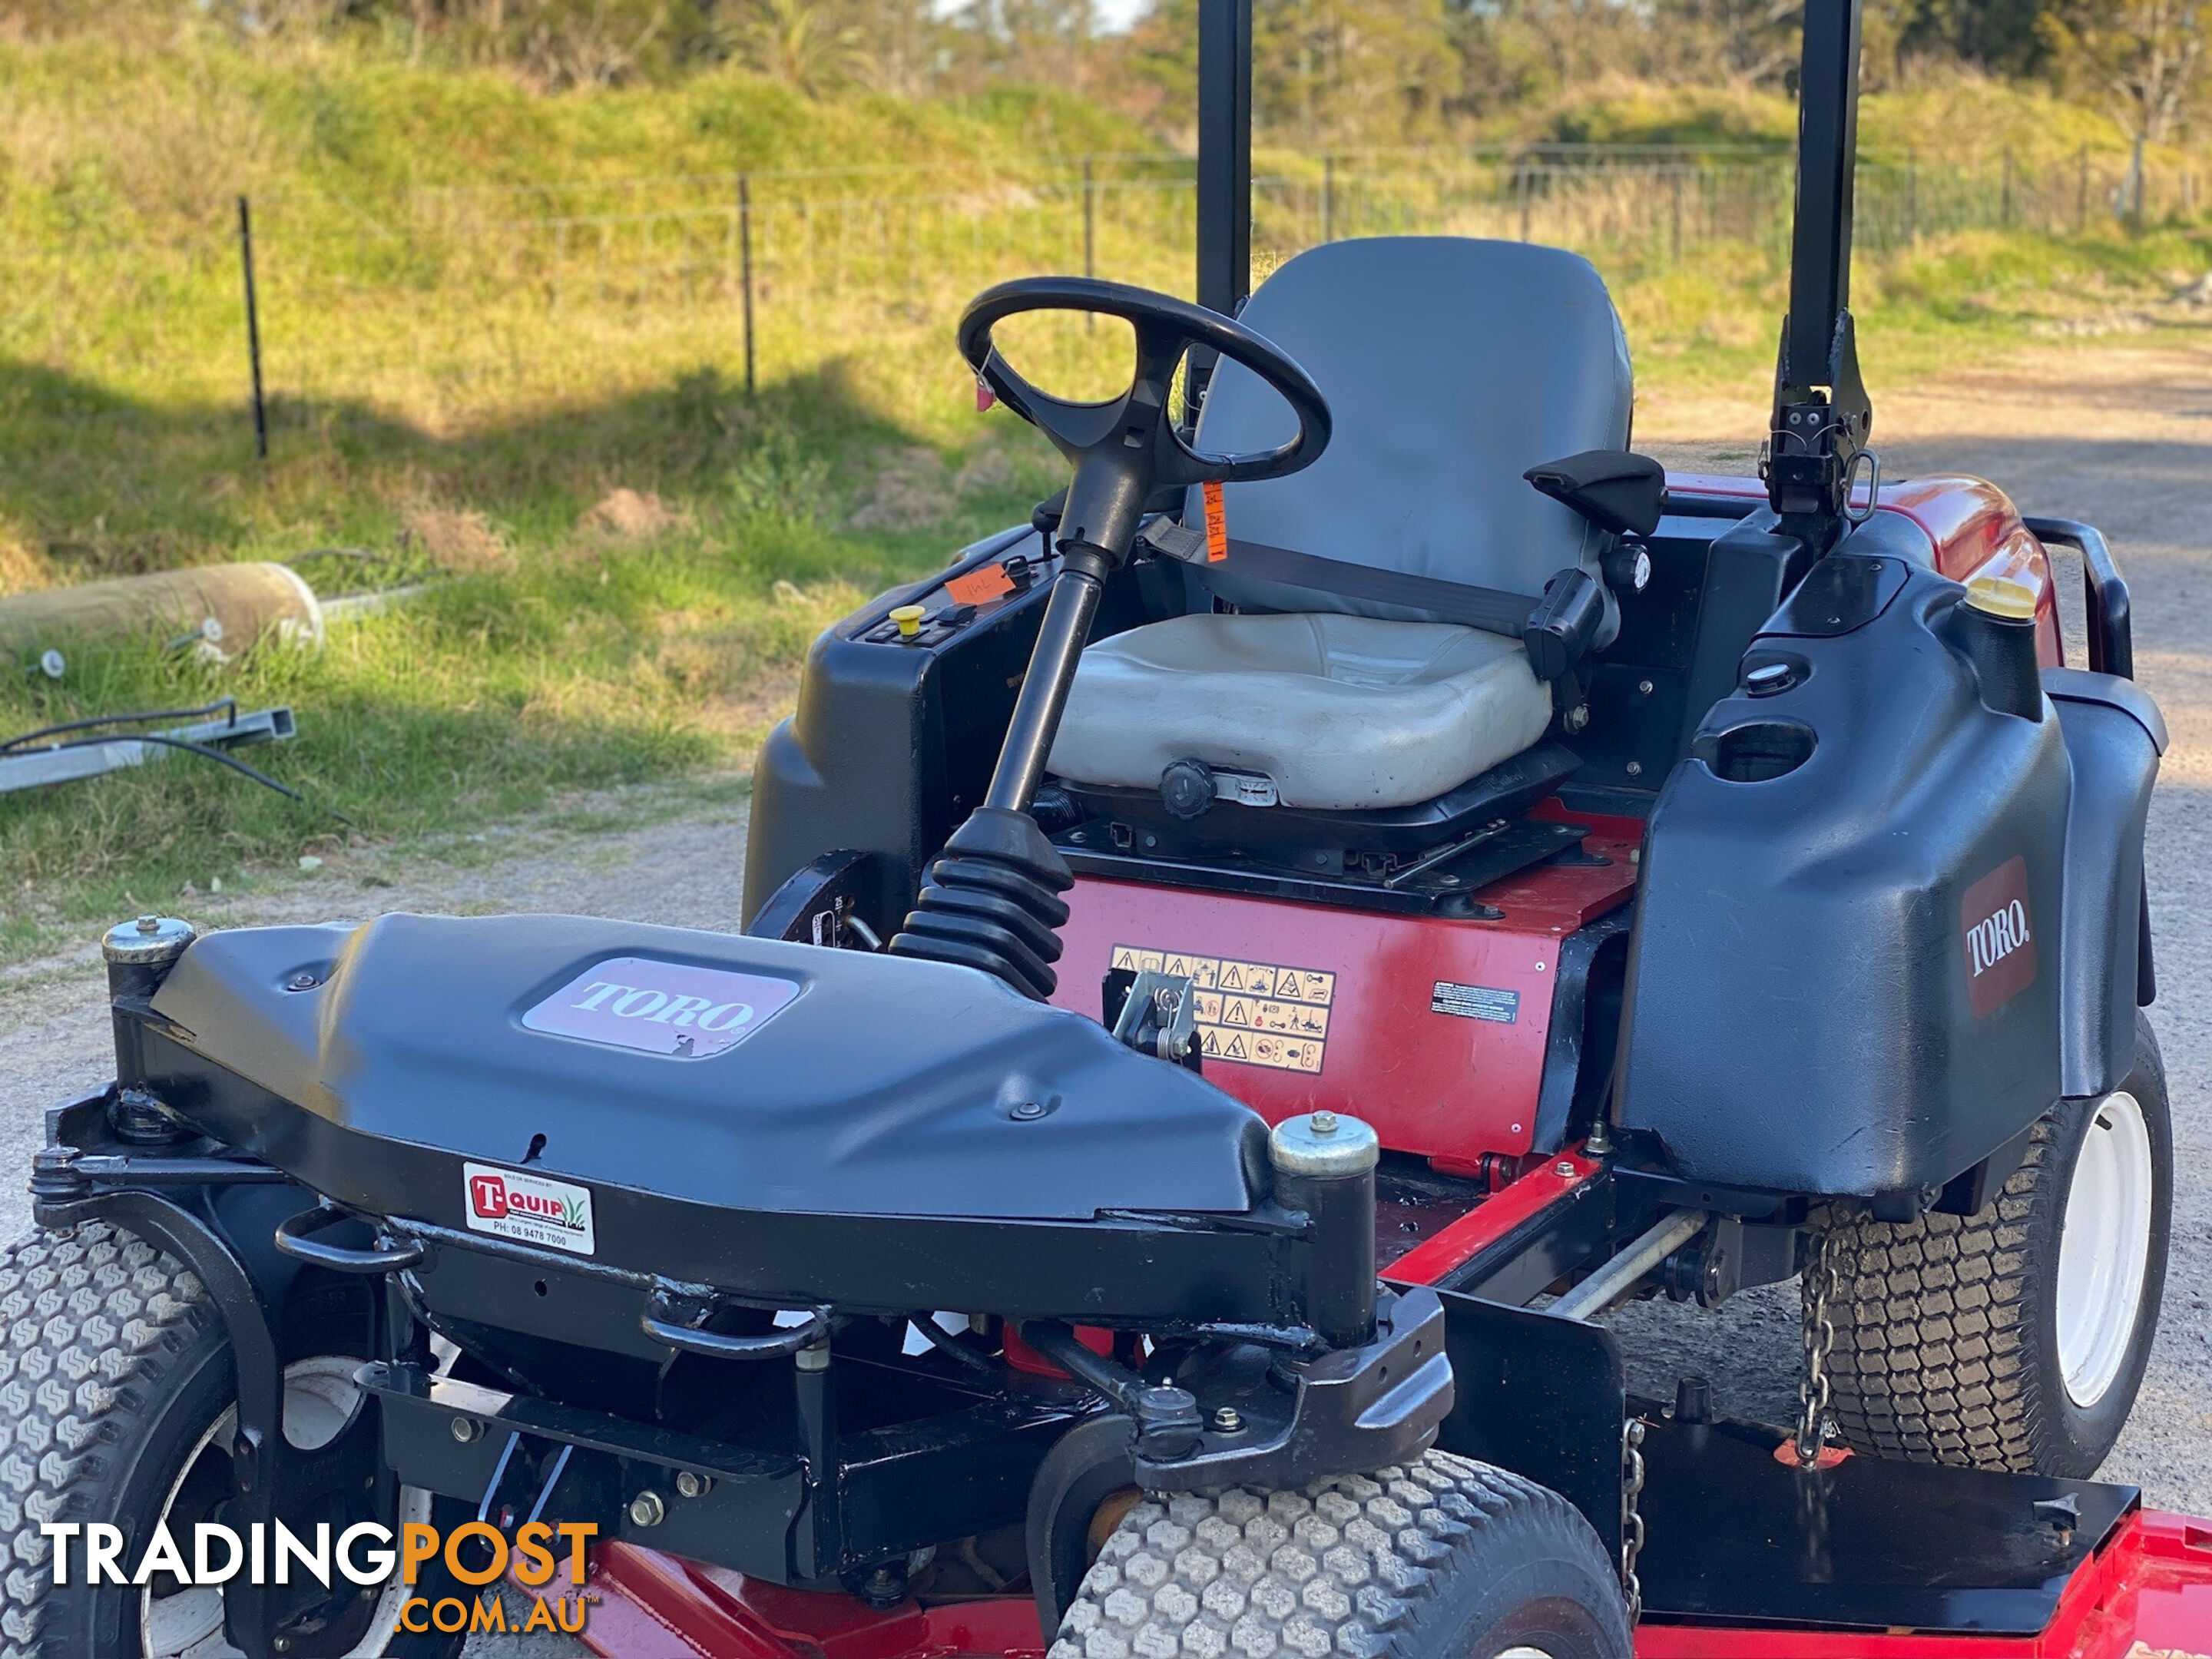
pixel 1631 1519
pixel 1813 1388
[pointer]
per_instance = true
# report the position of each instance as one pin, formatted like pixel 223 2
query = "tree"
pixel 2144 57
pixel 801 42
pixel 1038 43
pixel 1323 71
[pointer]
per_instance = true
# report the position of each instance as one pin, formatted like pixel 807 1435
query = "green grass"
pixel 552 658
pixel 458 421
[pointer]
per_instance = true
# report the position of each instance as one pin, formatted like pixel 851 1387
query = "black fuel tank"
pixel 1844 977
pixel 740 1073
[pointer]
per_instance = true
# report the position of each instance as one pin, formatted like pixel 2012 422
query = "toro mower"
pixel 1242 974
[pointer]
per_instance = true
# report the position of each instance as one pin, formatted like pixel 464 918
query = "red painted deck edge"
pixel 2150 1588
pixel 2148 1593
pixel 1489 1221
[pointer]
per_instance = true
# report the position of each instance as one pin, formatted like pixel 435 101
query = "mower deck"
pixel 1746 1554
pixel 2145 1592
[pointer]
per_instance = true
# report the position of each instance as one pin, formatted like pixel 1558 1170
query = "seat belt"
pixel 1491 609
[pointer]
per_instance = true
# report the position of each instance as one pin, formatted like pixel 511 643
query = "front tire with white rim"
pixel 2016 1339
pixel 118 1396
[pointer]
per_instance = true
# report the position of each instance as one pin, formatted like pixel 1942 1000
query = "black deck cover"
pixel 883 1086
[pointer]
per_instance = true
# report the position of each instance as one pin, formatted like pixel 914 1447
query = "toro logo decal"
pixel 1999 941
pixel 530 1208
pixel 661 1008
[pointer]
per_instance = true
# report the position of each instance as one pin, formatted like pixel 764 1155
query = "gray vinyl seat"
pixel 1451 366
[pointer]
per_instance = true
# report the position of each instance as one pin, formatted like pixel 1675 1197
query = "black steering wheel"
pixel 1125 448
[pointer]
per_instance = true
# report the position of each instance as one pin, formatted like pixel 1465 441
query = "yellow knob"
pixel 2007 584
pixel 2002 596
pixel 908 618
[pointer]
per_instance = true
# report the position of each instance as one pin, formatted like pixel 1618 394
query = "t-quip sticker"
pixel 531 1209
pixel 662 1007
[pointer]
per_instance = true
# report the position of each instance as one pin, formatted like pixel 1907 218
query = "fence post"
pixel 1328 198
pixel 1912 196
pixel 2081 205
pixel 1089 235
pixel 1520 172
pixel 746 267
pixel 2004 199
pixel 1676 225
pixel 1090 221
pixel 252 327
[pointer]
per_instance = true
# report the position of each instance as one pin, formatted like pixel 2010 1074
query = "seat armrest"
pixel 1620 492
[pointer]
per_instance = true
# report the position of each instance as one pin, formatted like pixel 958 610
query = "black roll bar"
pixel 1225 173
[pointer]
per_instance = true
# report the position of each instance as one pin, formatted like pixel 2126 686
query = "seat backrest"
pixel 1452 366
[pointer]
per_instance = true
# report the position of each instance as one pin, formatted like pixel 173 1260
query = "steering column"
pixel 992 898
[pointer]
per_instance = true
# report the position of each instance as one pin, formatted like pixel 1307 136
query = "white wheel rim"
pixel 2104 1249
pixel 320 1399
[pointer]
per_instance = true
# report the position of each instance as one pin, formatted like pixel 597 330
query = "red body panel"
pixel 1307 1007
pixel 2148 1593
pixel 1967 519
pixel 1971 521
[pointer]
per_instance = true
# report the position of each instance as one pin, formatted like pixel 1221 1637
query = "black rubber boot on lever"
pixel 992 898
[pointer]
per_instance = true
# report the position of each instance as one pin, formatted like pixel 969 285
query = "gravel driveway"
pixel 2118 437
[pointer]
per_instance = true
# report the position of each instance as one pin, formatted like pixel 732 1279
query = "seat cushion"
pixel 1345 713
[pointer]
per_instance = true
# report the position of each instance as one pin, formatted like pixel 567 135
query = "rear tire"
pixel 1444 1559
pixel 2015 1339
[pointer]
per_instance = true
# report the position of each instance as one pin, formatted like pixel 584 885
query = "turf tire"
pixel 1946 1344
pixel 114 1363
pixel 1444 1559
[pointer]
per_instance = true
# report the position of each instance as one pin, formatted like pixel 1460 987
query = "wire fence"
pixel 461 301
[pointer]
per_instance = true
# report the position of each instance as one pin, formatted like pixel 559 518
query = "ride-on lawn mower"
pixel 1240 973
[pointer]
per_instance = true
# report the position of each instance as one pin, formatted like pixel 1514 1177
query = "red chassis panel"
pixel 2148 1595
pixel 1306 1007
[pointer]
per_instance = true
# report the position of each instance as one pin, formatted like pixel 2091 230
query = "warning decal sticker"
pixel 1255 1013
